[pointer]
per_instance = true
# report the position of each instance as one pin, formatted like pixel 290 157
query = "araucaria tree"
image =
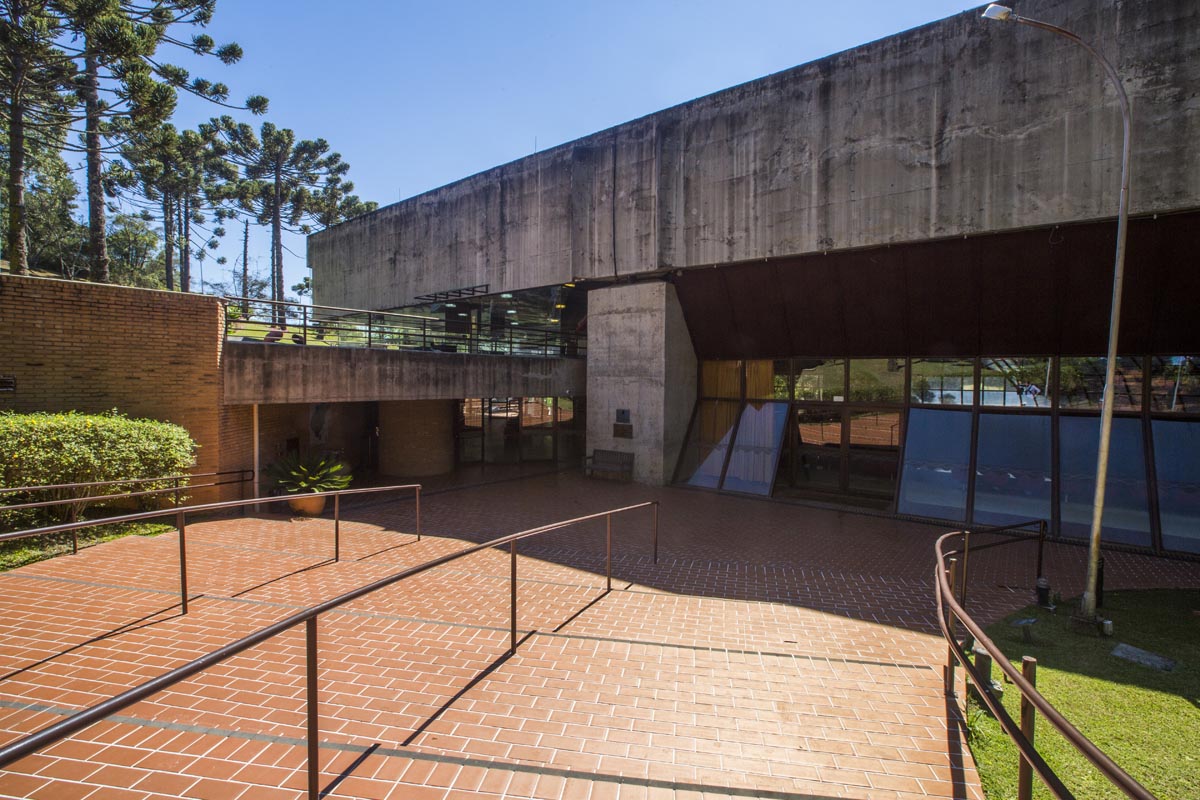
pixel 33 73
pixel 287 184
pixel 117 42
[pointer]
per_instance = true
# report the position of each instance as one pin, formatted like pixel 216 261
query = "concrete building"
pixel 879 279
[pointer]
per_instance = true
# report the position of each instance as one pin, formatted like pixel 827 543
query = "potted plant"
pixel 304 476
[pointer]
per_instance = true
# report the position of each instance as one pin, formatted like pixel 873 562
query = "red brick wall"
pixel 416 437
pixel 93 347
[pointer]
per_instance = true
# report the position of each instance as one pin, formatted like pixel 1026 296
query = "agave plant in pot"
pixel 302 476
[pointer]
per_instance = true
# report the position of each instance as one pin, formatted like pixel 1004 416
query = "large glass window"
pixel 768 380
pixel 816 462
pixel 1177 467
pixel 1015 382
pixel 943 381
pixel 877 380
pixel 721 379
pixel 1126 509
pixel 1175 384
pixel 1012 470
pixel 820 379
pixel 1081 383
pixel 756 450
pixel 537 428
pixel 937 452
pixel 874 454
pixel 704 454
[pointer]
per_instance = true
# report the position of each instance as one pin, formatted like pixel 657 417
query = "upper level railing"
pixel 949 578
pixel 57 732
pixel 329 326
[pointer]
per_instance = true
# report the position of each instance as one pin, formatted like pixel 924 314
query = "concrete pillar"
pixel 416 437
pixel 640 359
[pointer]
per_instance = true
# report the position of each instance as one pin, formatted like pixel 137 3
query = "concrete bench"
pixel 609 464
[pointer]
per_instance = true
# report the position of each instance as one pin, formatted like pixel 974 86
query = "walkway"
pixel 775 651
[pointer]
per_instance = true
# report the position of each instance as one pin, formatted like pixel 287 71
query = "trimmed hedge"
pixel 42 449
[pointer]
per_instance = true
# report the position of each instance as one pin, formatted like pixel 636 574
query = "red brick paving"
pixel 775 651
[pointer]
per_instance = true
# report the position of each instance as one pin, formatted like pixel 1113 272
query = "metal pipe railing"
pixel 950 611
pixel 101 498
pixel 347 327
pixel 60 730
pixel 122 481
pixel 181 522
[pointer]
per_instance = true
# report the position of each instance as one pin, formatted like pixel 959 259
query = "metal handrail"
pixel 181 513
pixel 949 611
pixel 100 498
pixel 88 485
pixel 334 326
pixel 64 728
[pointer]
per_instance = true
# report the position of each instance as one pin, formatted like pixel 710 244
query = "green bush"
pixel 44 449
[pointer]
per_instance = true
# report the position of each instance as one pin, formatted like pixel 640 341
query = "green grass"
pixel 1146 720
pixel 19 552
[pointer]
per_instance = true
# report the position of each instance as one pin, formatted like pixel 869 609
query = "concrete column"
pixel 416 437
pixel 640 359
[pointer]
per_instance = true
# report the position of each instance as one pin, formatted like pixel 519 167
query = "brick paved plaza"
pixel 774 651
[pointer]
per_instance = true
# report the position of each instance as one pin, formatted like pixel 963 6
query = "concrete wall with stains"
pixel 958 127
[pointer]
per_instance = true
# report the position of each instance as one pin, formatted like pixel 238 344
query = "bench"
pixel 609 464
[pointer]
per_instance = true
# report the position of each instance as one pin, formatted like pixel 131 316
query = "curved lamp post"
pixel 1005 14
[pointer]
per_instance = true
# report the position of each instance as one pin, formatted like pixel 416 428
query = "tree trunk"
pixel 185 245
pixel 18 256
pixel 97 245
pixel 277 247
pixel 169 240
pixel 245 268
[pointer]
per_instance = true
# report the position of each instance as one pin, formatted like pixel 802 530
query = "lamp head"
pixel 998 12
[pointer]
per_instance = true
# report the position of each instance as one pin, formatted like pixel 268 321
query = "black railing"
pixel 181 522
pixel 951 611
pixel 57 732
pixel 274 322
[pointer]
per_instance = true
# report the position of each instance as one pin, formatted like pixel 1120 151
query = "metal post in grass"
pixel 1028 717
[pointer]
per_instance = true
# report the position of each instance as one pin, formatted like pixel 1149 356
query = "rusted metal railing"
pixel 54 733
pixel 951 612
pixel 181 513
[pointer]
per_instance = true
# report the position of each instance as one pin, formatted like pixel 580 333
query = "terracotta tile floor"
pixel 774 651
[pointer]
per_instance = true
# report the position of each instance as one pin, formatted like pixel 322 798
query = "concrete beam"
pixel 272 373
pixel 954 128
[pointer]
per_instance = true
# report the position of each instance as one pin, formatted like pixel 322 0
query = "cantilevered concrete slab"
pixel 267 373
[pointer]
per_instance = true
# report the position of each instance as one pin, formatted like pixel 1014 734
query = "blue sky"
pixel 417 95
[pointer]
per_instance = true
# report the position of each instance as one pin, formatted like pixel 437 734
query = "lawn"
pixel 19 552
pixel 1148 721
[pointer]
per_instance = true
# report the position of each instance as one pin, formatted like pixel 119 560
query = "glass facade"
pixel 1177 463
pixel 937 457
pixel 988 441
pixel 1012 468
pixel 515 430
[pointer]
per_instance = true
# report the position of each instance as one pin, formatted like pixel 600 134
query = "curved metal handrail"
pixel 1088 749
pixel 58 731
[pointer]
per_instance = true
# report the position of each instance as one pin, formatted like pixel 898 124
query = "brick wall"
pixel 93 347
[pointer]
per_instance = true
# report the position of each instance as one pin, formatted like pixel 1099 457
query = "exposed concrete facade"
pixel 640 360
pixel 266 373
pixel 954 128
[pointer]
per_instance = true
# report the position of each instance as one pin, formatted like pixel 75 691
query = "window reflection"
pixel 768 380
pixel 1015 382
pixel 874 455
pixel 1081 383
pixel 1126 510
pixel 721 379
pixel 816 460
pixel 1012 471
pixel 1175 384
pixel 821 379
pixel 704 454
pixel 937 451
pixel 877 380
pixel 943 381
pixel 1177 464
pixel 756 451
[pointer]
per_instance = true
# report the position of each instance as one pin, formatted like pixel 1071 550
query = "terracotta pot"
pixel 307 504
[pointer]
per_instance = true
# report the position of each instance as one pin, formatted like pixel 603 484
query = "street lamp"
pixel 1005 14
